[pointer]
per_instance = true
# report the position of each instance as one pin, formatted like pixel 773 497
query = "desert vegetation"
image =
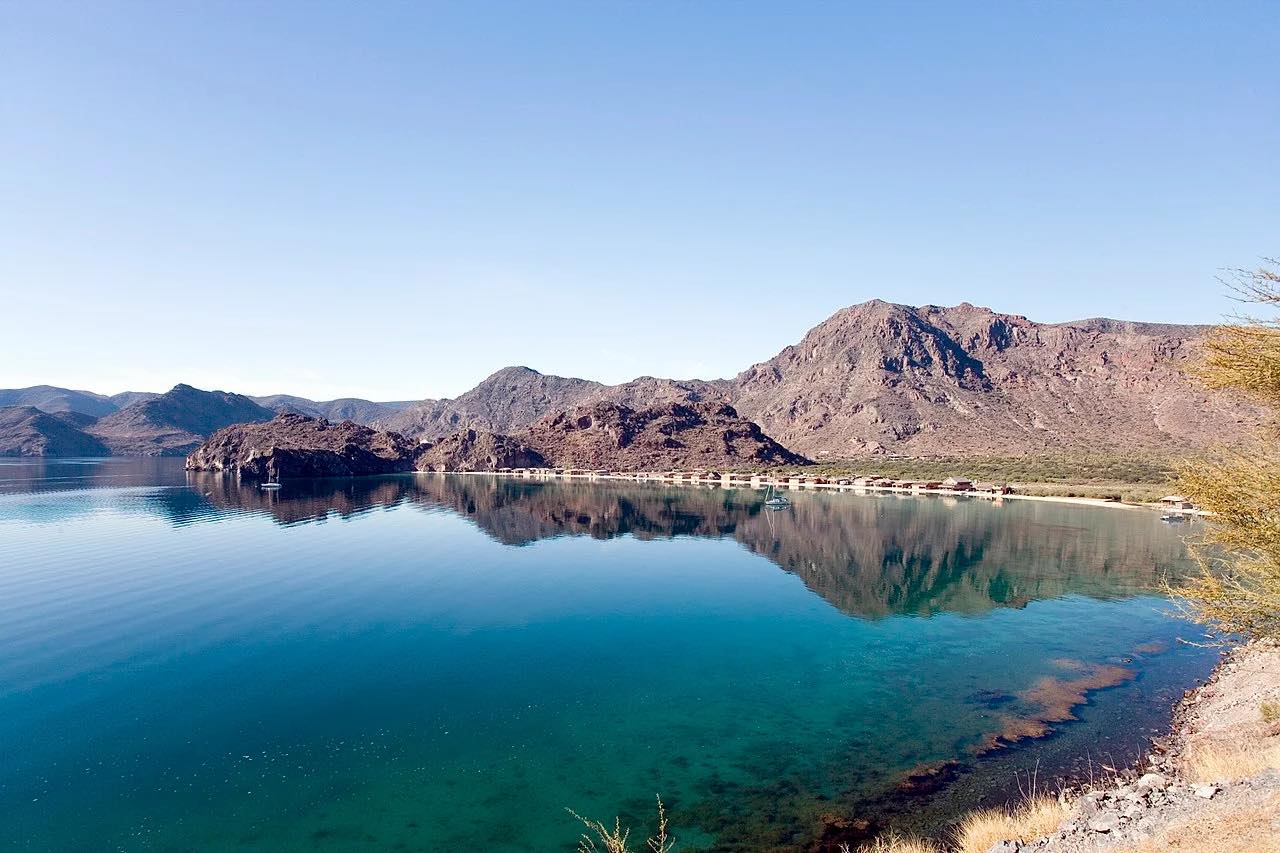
pixel 1131 478
pixel 599 837
pixel 1238 590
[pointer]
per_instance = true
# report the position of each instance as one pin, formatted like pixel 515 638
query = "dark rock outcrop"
pixel 293 445
pixel 174 423
pixel 605 435
pixel 672 435
pixel 471 450
pixel 28 431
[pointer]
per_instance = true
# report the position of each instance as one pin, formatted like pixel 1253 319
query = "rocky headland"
pixel 674 435
pixel 292 445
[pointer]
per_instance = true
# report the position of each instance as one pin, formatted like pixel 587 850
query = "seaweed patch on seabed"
pixel 787 814
pixel 1052 700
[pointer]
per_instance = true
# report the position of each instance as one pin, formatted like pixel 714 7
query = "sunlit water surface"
pixel 433 663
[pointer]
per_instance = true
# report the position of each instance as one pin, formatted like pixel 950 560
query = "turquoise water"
pixel 447 663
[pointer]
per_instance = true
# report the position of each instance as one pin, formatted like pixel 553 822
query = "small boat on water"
pixel 1173 518
pixel 772 501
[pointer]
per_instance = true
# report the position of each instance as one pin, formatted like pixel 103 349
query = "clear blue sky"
pixel 392 200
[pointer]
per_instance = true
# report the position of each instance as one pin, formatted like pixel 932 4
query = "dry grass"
pixel 1036 817
pixel 894 843
pixel 1270 712
pixel 1225 762
pixel 615 839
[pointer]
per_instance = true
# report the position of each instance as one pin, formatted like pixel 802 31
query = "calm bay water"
pixel 446 663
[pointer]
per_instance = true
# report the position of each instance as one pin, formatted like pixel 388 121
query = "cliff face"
pixel 28 431
pixel 174 423
pixel 293 445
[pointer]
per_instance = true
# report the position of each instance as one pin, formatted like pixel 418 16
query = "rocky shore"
pixel 1213 784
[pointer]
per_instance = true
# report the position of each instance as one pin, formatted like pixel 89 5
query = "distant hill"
pixel 28 431
pixel 174 423
pixel 512 398
pixel 342 409
pixel 51 399
pixel 128 398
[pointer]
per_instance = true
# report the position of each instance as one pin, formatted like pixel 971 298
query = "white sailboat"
pixel 772 501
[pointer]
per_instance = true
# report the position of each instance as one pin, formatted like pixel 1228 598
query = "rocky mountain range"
pixel 173 423
pixel 169 424
pixel 879 377
pixel 142 423
pixel 685 435
pixel 933 380
pixel 873 378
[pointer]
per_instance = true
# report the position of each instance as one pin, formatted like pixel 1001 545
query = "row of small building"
pixel 758 480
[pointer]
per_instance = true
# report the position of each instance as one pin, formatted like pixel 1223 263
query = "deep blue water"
pixel 447 663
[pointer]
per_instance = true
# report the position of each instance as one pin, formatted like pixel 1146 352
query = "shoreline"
pixel 761 481
pixel 1211 783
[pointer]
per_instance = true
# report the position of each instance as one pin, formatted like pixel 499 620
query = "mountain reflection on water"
pixel 393 661
pixel 868 555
